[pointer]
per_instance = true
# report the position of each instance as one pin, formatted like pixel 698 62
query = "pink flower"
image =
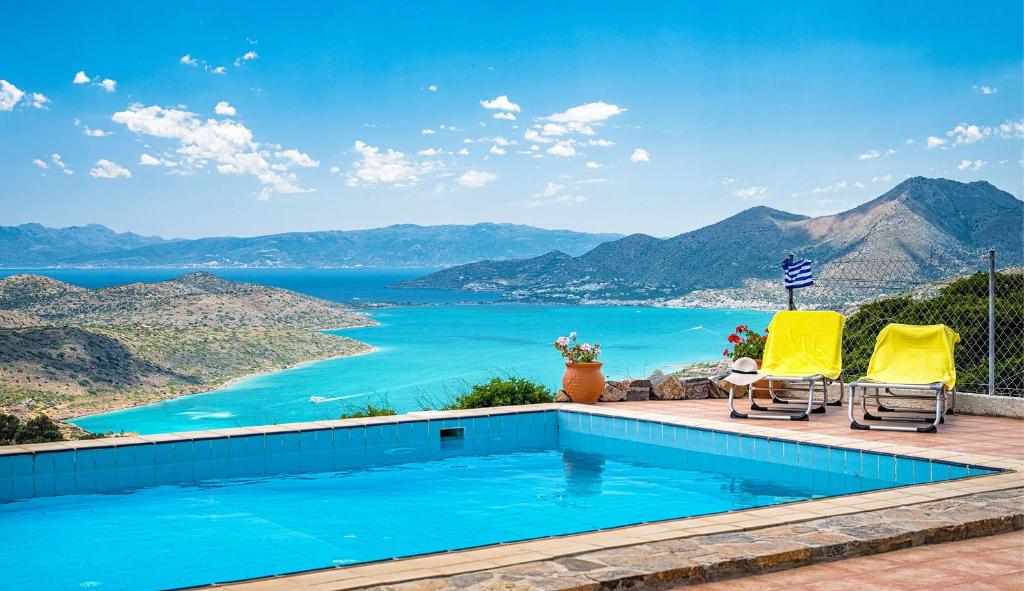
pixel 586 347
pixel 572 335
pixel 562 341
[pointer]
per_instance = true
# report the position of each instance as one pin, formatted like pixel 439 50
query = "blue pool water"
pixel 165 515
pixel 427 353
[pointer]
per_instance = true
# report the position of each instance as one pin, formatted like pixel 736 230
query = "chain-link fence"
pixel 930 290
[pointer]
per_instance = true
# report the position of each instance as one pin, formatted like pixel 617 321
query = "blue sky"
pixel 610 116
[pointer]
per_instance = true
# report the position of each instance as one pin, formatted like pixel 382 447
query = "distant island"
pixel 67 351
pixel 937 227
pixel 404 245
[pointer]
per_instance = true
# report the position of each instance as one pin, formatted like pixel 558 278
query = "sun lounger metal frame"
pixel 792 409
pixel 944 403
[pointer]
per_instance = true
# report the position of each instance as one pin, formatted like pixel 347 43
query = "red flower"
pixel 725 353
pixel 734 338
pixel 742 328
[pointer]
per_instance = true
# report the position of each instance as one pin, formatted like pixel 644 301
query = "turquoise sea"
pixel 425 353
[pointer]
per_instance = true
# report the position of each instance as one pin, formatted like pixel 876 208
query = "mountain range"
pixel 939 226
pixel 406 245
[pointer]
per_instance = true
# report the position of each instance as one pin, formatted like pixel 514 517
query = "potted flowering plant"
pixel 749 343
pixel 583 381
pixel 746 343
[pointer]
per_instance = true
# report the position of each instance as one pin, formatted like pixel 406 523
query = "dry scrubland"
pixel 68 351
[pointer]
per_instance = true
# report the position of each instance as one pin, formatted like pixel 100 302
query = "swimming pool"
pixel 194 510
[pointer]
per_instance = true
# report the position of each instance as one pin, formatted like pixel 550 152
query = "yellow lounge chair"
pixel 908 358
pixel 802 356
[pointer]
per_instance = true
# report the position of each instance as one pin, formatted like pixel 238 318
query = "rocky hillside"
pixel 942 226
pixel 404 245
pixel 34 245
pixel 68 351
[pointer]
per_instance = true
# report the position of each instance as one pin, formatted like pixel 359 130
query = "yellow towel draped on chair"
pixel 909 354
pixel 804 343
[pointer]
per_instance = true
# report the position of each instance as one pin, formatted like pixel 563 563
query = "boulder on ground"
pixel 667 388
pixel 613 392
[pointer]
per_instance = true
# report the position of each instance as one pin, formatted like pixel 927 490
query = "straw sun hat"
pixel 743 372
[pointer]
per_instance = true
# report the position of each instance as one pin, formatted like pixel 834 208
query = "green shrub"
pixel 8 429
pixel 40 429
pixel 501 391
pixel 369 410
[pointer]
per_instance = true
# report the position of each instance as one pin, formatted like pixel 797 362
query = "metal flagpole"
pixel 792 306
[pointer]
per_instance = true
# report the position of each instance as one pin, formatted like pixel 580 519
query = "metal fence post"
pixel 792 306
pixel 992 322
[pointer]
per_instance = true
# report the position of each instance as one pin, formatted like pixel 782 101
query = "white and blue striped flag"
pixel 798 273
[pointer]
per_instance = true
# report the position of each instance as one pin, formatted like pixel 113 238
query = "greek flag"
pixel 798 273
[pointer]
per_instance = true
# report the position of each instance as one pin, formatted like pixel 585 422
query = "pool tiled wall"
pixel 115 468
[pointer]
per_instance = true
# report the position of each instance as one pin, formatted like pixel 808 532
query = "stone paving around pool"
pixel 740 543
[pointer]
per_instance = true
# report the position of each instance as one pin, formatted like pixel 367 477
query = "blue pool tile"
pixel 307 441
pixel 6 466
pixel 201 450
pixel 22 465
pixel 124 457
pixel 837 461
pixel 761 449
pixel 777 452
pixel 887 468
pixel 854 463
pixel 904 471
pixel 819 458
pixel 22 487
pixel 163 455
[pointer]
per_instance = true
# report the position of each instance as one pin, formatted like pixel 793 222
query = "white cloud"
pixel 532 135
pixel 890 152
pixel 934 142
pixel 292 157
pixel 105 169
pixel 335 170
pixel 550 129
pixel 39 163
pixel 432 88
pixel 59 163
pixel 219 70
pixel 869 155
pixel 10 95
pixel 106 84
pixel 755 193
pixel 245 57
pixel 985 89
pixel 640 155
pixel 593 164
pixel 429 152
pixel 427 132
pixel 228 144
pixel 885 178
pixel 562 148
pixel 968 134
pixel 727 181
pixel 908 142
pixel 464 152
pixel 858 185
pixel 188 60
pixel 1011 129
pixel 600 143
pixel 554 194
pixel 39 100
pixel 501 103
pixel 498 151
pixel 504 115
pixel 147 160
pixel 224 108
pixel 474 179
pixel 969 165
pixel 581 119
pixel 500 140
pixel 389 166
pixel 832 188
pixel 96 132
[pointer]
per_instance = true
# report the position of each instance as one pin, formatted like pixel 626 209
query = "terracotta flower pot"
pixel 583 382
